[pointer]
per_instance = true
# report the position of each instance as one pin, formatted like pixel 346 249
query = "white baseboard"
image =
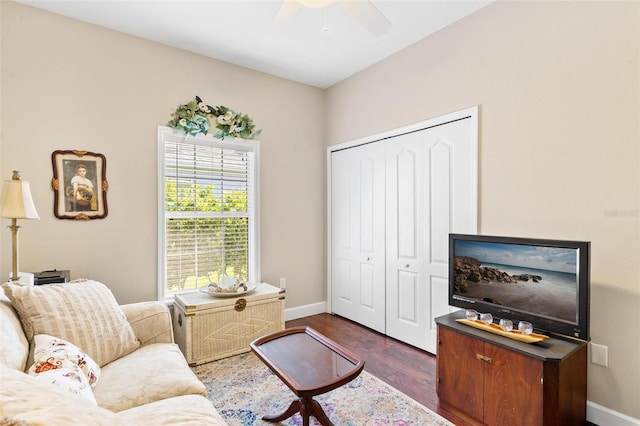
pixel 603 416
pixel 305 311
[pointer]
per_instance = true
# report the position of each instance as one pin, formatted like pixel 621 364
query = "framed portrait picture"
pixel 79 184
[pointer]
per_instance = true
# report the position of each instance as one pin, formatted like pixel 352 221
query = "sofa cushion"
pixel 153 372
pixel 151 321
pixel 24 398
pixel 82 312
pixel 14 346
pixel 183 410
pixel 52 351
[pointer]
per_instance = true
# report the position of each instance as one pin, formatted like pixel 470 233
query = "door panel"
pixel 514 383
pixel 367 286
pixel 406 174
pixel 441 157
pixel 429 185
pixel 458 361
pixel 407 185
pixel 343 274
pixel 366 193
pixel 407 288
pixel 357 235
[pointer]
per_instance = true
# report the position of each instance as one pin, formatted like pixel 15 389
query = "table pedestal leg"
pixel 315 409
pixel 307 407
pixel 293 408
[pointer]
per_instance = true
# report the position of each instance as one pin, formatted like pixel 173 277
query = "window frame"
pixel 169 135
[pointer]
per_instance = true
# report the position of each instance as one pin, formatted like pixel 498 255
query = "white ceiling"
pixel 242 31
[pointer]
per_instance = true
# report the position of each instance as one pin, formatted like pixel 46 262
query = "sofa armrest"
pixel 151 321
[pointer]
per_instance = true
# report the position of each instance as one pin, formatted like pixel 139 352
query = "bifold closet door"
pixel 357 234
pixel 430 192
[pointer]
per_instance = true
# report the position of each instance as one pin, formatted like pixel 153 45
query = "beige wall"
pixel 72 85
pixel 558 85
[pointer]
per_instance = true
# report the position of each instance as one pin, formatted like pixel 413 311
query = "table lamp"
pixel 16 203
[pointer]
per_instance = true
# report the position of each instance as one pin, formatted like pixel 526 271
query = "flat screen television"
pixel 544 282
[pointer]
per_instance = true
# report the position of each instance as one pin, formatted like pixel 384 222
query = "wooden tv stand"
pixel 492 380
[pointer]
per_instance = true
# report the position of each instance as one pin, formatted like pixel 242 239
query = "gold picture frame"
pixel 79 184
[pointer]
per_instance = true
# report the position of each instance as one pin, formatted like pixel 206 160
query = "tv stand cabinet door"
pixel 498 382
pixel 513 387
pixel 459 373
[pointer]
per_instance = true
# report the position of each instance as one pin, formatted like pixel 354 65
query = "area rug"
pixel 243 389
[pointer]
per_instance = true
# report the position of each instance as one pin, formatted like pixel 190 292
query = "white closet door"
pixel 431 186
pixel 357 234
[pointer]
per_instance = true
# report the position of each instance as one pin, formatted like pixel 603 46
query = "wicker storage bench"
pixel 208 328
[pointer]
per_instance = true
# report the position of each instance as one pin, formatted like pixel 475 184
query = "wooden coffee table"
pixel 309 364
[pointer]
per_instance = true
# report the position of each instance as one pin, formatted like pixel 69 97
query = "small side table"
pixel 208 328
pixel 309 364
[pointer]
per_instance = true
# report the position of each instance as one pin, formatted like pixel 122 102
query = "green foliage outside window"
pixel 206 235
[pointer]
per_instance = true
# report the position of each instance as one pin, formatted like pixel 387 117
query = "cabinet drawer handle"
pixel 483 358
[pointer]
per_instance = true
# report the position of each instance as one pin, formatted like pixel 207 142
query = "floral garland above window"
pixel 196 117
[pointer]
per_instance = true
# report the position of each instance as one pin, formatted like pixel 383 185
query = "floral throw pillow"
pixel 51 352
pixel 66 375
pixel 59 362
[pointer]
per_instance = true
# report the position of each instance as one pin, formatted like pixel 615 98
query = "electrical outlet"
pixel 283 282
pixel 599 354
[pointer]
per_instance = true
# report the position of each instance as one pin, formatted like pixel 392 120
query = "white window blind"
pixel 208 198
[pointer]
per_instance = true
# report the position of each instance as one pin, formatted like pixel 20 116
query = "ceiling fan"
pixel 363 10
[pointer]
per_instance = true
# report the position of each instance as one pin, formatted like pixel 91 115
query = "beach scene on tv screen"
pixel 534 279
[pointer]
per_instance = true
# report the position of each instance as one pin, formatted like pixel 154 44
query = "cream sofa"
pixel 148 382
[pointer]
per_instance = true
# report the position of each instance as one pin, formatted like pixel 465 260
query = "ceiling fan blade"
pixel 287 12
pixel 368 15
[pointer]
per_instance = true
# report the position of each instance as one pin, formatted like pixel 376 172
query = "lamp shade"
pixel 16 201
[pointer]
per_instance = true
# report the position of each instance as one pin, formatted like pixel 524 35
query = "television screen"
pixel 545 282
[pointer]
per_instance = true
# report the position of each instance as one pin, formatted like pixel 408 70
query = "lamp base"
pixel 24 278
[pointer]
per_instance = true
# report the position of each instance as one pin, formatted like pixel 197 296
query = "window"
pixel 207 211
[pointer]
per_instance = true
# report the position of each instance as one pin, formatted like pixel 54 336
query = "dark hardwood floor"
pixel 406 368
